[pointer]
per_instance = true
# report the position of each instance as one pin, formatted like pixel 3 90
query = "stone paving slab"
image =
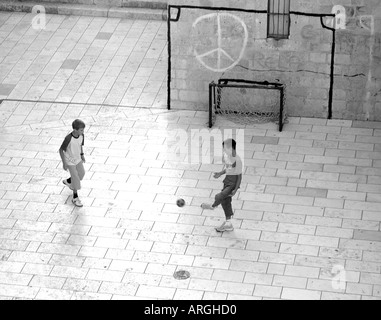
pixel 59 64
pixel 307 212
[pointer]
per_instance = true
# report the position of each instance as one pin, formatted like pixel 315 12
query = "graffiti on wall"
pixel 221 57
pixel 311 36
pixel 351 43
pixel 340 21
pixel 351 18
pixel 357 18
pixel 285 62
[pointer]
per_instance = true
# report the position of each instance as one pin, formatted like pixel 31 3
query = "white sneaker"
pixel 207 206
pixel 226 226
pixel 77 202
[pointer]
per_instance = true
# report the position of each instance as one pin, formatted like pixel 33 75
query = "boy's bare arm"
pixel 219 174
pixel 63 159
pixel 83 155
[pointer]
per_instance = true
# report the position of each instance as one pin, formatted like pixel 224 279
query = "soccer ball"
pixel 180 202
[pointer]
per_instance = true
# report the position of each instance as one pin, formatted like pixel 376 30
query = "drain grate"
pixel 181 275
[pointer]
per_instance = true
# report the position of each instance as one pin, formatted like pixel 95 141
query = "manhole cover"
pixel 181 275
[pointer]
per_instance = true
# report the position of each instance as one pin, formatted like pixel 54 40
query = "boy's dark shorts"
pixel 230 181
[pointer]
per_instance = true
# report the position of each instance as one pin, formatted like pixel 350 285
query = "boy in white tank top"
pixel 233 168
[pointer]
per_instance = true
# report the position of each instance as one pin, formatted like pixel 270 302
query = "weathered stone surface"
pixel 235 45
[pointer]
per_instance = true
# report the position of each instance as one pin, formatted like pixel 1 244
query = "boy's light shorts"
pixel 77 174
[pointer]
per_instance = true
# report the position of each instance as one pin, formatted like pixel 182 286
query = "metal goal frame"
pixel 215 95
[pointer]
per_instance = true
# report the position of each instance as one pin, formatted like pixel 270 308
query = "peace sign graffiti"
pixel 224 60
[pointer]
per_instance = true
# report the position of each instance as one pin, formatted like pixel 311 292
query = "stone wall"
pixel 358 51
pixel 303 62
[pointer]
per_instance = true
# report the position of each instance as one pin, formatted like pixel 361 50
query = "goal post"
pixel 237 101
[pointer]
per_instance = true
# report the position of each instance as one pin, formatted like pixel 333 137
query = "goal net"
pixel 247 102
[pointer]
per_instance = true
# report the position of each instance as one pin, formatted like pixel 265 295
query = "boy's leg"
pixel 227 225
pixel 75 180
pixel 81 171
pixel 67 183
pixel 75 184
pixel 228 209
pixel 219 198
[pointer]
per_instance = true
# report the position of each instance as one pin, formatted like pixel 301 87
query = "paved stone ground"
pixel 307 214
pixel 140 9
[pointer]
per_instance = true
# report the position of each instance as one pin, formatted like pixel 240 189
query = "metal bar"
pixel 273 16
pixel 281 110
pixel 330 102
pixel 247 87
pixel 265 83
pixel 284 20
pixel 332 80
pixel 268 19
pixel 211 85
pixel 214 93
pixel 312 14
pixel 218 8
pixel 277 32
pixel 169 60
